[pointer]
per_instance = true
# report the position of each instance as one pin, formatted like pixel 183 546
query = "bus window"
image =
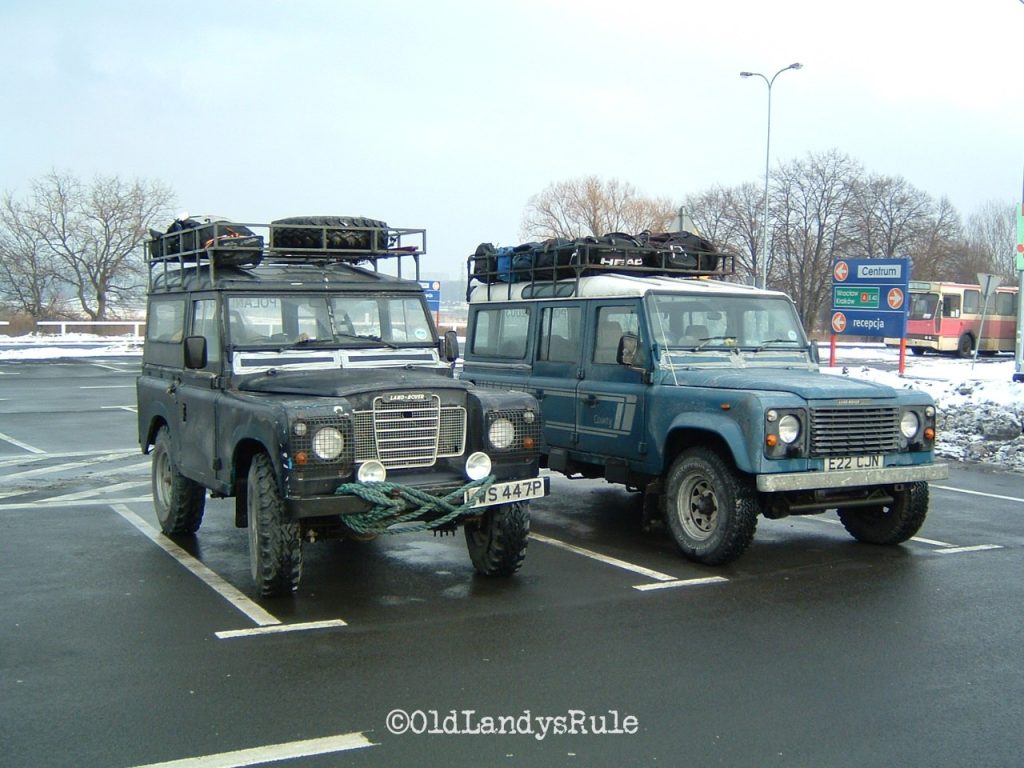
pixel 950 306
pixel 922 305
pixel 972 302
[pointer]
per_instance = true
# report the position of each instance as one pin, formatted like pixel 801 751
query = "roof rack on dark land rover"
pixel 665 254
pixel 193 243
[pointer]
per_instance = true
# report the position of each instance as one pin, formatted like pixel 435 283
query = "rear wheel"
pixel 497 542
pixel 710 509
pixel 918 351
pixel 179 502
pixel 964 346
pixel 275 543
pixel 891 523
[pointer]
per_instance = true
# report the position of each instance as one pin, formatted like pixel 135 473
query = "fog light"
pixel 478 466
pixel 371 472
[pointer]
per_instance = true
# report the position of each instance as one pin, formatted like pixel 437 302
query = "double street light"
pixel 767 159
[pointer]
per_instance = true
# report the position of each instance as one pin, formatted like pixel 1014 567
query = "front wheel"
pixel 964 346
pixel 179 502
pixel 889 523
pixel 710 509
pixel 275 543
pixel 497 542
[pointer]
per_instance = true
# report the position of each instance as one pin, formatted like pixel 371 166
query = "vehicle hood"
pixel 348 382
pixel 809 385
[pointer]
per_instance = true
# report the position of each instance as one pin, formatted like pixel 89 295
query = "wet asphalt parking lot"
pixel 120 647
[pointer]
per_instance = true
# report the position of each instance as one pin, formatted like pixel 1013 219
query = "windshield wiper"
pixel 367 337
pixel 766 342
pixel 708 339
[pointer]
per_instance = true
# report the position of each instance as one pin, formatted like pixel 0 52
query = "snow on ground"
pixel 981 409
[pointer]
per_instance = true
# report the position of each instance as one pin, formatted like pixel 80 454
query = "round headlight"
pixel 478 466
pixel 789 428
pixel 371 472
pixel 502 433
pixel 771 416
pixel 529 417
pixel 909 424
pixel 300 428
pixel 328 443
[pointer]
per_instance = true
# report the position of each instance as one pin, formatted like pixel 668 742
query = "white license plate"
pixel 839 463
pixel 506 493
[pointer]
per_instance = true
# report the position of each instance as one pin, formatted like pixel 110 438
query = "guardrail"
pixel 136 325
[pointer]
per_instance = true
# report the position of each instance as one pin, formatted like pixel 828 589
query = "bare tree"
pixel 732 218
pixel 938 252
pixel 810 212
pixel 29 276
pixel 94 232
pixel 992 229
pixel 591 206
pixel 888 215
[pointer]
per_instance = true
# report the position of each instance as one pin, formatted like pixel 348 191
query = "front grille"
pixel 854 431
pixel 407 432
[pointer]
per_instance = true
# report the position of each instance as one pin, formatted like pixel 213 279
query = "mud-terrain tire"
pixel 887 524
pixel 179 502
pixel 497 543
pixel 339 233
pixel 710 509
pixel 275 543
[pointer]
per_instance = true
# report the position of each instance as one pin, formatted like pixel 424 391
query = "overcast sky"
pixel 449 115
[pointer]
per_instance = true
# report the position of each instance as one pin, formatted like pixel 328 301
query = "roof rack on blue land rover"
pixel 204 243
pixel 668 254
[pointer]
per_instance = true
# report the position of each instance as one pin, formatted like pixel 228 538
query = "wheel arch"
pixel 684 437
pixel 241 460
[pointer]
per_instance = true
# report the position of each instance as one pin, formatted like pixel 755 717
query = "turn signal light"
pixel 929 433
pixel 772 440
pixel 301 457
pixel 528 443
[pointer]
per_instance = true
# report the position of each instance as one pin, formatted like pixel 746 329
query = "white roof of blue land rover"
pixel 608 286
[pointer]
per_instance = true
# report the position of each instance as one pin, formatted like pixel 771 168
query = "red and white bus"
pixel 946 317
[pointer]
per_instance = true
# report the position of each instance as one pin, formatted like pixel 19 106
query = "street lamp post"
pixel 767 159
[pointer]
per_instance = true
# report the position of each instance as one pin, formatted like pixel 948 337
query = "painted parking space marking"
pixel 698 582
pixel 20 444
pixel 977 493
pixel 229 592
pixel 265 621
pixel 112 455
pixel 37 504
pixel 129 408
pixel 107 386
pixel 272 753
pixel 613 561
pixel 974 548
pixel 277 629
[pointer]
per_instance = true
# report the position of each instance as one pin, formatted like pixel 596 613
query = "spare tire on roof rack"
pixel 191 238
pixel 336 234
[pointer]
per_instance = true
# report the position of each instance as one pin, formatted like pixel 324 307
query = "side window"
pixel 560 334
pixel 1005 303
pixel 501 332
pixel 972 302
pixel 166 320
pixel 612 322
pixel 204 323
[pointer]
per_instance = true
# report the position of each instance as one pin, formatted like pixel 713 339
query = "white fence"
pixel 136 325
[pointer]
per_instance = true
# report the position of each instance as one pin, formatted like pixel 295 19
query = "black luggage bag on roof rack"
pixel 229 244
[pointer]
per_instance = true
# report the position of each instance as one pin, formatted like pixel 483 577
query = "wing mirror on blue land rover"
pixel 450 346
pixel 629 344
pixel 195 352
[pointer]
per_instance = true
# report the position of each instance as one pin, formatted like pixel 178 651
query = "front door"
pixel 197 396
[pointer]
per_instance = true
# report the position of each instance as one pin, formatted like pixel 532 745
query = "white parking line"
pixel 614 561
pixel 228 591
pixel 680 583
pixel 96 491
pixel 276 629
pixel 975 548
pixel 106 386
pixel 8 461
pixel 45 504
pixel 977 493
pixel 24 446
pixel 129 408
pixel 272 753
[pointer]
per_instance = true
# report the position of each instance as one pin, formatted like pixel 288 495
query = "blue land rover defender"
pixel 286 370
pixel 653 372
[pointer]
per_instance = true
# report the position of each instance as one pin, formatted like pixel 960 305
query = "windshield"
pixel 923 305
pixel 328 320
pixel 703 322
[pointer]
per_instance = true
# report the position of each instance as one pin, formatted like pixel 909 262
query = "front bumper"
pixel 853 478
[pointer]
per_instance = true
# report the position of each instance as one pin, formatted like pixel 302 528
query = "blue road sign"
pixel 432 290
pixel 869 297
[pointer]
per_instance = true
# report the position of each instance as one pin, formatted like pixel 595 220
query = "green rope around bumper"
pixel 394 503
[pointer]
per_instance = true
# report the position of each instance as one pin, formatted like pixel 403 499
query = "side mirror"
pixel 815 352
pixel 629 346
pixel 195 352
pixel 450 346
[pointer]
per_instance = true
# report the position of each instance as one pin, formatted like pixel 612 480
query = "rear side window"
pixel 501 332
pixel 166 320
